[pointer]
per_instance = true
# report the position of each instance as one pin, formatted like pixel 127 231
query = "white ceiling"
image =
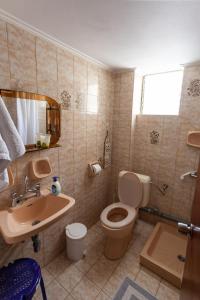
pixel 119 33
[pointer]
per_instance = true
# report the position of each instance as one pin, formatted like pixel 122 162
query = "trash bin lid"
pixel 76 230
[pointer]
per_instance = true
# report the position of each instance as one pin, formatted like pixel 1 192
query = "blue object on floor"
pixel 19 280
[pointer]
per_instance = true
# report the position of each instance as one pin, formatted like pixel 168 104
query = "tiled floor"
pixel 96 277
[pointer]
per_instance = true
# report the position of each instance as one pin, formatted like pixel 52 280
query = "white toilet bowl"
pixel 118 219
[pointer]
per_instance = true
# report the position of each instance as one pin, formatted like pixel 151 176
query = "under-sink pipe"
pixel 157 212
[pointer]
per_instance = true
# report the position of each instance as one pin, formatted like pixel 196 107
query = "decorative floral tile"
pixel 194 88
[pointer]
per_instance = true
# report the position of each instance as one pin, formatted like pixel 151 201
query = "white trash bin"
pixel 75 234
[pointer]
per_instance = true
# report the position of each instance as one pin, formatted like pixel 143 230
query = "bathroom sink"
pixel 34 215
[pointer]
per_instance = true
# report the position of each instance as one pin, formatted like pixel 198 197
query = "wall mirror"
pixel 35 116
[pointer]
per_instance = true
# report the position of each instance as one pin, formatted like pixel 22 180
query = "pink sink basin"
pixel 35 214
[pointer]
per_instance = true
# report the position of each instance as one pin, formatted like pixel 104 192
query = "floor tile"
pixel 137 244
pixel 93 253
pixel 70 277
pixel 101 271
pixel 69 297
pixel 54 291
pixel 102 296
pixel 118 277
pixel 83 265
pixel 58 265
pixel 85 289
pixel 167 291
pixel 93 237
pixel 148 280
pixel 47 276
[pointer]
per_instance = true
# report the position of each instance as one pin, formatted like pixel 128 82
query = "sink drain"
pixel 181 258
pixel 36 222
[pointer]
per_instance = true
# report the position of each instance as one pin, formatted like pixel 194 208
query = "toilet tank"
pixel 146 183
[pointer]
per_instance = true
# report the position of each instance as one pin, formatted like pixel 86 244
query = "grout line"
pixel 158 287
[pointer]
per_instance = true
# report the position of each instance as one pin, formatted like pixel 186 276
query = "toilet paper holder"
pixel 94 168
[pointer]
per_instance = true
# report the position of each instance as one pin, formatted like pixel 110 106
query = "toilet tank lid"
pixel 143 178
pixel 130 189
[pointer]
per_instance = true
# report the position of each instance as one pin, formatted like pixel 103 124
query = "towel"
pixel 4 156
pixel 10 134
pixel 4 180
pixel 4 162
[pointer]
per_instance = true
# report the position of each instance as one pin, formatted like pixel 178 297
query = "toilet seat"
pixel 128 211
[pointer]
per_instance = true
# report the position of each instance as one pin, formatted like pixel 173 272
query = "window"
pixel 161 93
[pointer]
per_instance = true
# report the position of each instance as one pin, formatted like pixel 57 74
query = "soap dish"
pixel 40 168
pixel 193 139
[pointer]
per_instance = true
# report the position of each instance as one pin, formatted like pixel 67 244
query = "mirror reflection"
pixel 29 117
pixel 36 117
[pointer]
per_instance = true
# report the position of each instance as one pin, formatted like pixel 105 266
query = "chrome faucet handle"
pixel 26 183
pixel 16 198
pixel 37 186
pixel 37 189
pixel 13 194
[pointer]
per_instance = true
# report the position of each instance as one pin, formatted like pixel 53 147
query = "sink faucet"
pixel 16 199
pixel 26 183
pixel 35 189
pixel 29 193
pixel 34 192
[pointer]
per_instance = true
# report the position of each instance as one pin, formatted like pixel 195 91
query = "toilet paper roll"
pixel 96 169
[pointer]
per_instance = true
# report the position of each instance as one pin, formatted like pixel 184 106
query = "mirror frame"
pixel 53 104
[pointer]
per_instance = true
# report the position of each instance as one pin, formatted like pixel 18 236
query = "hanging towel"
pixel 4 162
pixel 10 134
pixel 4 180
pixel 4 155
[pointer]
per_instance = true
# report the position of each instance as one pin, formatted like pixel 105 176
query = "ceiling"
pixel 119 33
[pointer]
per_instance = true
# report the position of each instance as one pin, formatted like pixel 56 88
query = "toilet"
pixel 117 219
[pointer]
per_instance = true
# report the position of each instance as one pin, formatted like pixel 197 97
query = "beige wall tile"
pixel 46 57
pixel 21 45
pixel 80 75
pixel 4 62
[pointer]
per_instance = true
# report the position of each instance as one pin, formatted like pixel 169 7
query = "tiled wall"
pixel 122 126
pixel 165 161
pixel 171 157
pixel 32 64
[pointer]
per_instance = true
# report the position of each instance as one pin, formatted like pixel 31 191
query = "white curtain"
pixel 27 120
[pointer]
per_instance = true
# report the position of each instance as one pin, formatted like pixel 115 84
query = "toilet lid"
pixel 129 189
pixel 128 218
